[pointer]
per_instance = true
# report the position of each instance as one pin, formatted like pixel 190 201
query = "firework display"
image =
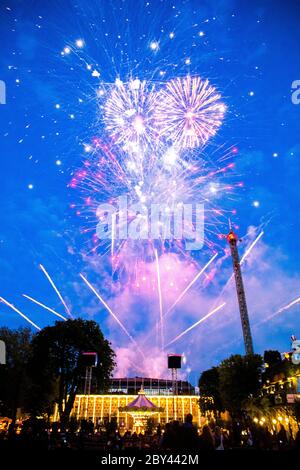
pixel 189 111
pixel 185 111
pixel 133 135
pixel 128 113
pixel 144 155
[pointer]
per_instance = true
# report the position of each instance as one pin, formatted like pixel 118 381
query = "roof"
pixel 141 402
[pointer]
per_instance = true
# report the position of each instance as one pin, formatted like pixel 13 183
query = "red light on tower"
pixel 232 237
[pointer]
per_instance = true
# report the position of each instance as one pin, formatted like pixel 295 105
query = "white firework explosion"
pixel 189 112
pixel 128 114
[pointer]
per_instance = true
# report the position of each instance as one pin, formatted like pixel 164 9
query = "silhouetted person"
pixel 167 439
pixel 189 435
pixel 282 437
pixel 206 439
pixel 219 438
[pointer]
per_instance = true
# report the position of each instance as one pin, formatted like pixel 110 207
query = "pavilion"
pixel 141 409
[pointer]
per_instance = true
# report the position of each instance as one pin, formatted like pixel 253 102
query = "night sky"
pixel 250 52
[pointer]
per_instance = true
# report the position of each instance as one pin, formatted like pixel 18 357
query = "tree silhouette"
pixel 209 385
pixel 240 378
pixel 55 366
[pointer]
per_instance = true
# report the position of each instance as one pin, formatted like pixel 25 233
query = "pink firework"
pixel 189 112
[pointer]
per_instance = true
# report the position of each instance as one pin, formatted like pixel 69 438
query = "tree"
pixel 14 381
pixel 278 369
pixel 55 365
pixel 240 377
pixel 272 357
pixel 258 407
pixel 209 385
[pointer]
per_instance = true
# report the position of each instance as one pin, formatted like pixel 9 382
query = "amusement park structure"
pixel 232 239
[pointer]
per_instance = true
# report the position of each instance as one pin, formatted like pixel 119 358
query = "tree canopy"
pixel 240 378
pixel 272 357
pixel 55 366
pixel 209 385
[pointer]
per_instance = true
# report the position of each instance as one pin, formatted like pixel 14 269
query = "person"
pixel 206 439
pixel 282 437
pixel 166 437
pixel 219 439
pixel 189 435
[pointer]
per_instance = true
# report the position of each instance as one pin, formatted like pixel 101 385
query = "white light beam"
pixel 57 291
pixel 191 284
pixel 45 307
pixel 20 313
pixel 197 323
pixel 112 313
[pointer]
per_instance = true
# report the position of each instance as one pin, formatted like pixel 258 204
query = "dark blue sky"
pixel 249 50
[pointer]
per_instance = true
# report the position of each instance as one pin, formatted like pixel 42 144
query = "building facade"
pixel 102 409
pixel 132 385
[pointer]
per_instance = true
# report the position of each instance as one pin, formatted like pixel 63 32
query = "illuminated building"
pixel 113 406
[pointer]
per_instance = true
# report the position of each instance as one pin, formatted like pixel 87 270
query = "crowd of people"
pixel 175 437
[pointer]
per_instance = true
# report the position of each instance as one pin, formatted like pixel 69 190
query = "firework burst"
pixel 189 111
pixel 128 114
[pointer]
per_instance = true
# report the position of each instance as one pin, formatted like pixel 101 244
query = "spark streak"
pixel 248 251
pixel 160 301
pixel 197 323
pixel 282 309
pixel 56 290
pixel 113 229
pixel 45 307
pixel 20 313
pixel 291 304
pixel 112 313
pixel 191 284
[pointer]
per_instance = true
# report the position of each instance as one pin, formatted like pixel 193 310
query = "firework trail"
pixel 289 305
pixel 215 310
pixel 160 300
pixel 112 313
pixel 20 313
pixel 113 233
pixel 56 290
pixel 184 292
pixel 190 284
pixel 45 307
pixel 282 309
pixel 189 112
pixel 248 251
